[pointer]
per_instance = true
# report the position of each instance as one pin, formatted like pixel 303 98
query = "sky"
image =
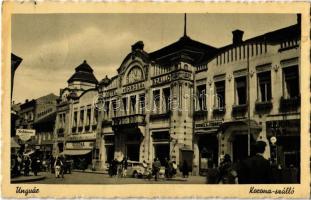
pixel 53 45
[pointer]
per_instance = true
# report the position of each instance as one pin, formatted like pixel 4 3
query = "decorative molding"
pixel 264 67
pixel 219 77
pixel 229 77
pixel 276 68
pixel 241 72
pixel 289 62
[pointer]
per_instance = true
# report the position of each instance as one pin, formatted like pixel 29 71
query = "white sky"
pixel 52 45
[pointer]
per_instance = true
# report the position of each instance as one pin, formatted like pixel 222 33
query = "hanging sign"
pixel 25 134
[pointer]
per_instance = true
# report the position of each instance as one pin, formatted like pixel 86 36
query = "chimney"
pixel 237 36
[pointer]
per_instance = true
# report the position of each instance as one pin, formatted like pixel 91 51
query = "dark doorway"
pixel 208 146
pixel 132 152
pixel 162 151
pixel 109 152
pixel 240 147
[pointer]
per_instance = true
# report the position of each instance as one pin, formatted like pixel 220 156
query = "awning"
pixel 206 131
pixel 75 152
pixel 251 123
pixel 14 144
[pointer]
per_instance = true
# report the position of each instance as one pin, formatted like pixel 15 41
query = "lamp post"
pixel 273 140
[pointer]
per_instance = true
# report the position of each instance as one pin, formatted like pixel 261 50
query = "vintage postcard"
pixel 179 100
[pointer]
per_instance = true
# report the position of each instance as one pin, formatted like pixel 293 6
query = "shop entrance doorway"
pixel 162 151
pixel 132 152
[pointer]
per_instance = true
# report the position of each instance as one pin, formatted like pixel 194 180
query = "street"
pixel 93 178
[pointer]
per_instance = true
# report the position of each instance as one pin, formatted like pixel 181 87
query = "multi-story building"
pixel 38 115
pixel 76 121
pixel 188 101
pixel 191 101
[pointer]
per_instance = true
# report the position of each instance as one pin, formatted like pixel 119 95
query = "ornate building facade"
pixel 189 101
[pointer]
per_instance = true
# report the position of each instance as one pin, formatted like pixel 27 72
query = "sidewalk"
pixel 24 179
pixel 176 178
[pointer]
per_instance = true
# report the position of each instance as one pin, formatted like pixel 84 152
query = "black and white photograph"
pixel 156 98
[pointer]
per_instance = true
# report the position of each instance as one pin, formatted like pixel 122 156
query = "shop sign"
pixel 79 145
pixel 168 77
pixel 25 134
pixel 88 136
pixel 208 124
pixel 133 87
pixel 110 93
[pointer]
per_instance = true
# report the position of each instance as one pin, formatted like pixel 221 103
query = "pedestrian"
pixel 26 165
pixel 185 169
pixel 156 168
pixel 57 166
pixel 174 168
pixel 63 166
pixel 52 161
pixel 34 165
pixel 125 165
pixel 256 169
pixel 227 174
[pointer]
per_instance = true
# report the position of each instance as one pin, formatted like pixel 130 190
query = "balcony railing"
pixel 219 111
pixel 87 128
pixel 106 123
pixel 200 114
pixel 94 127
pixel 74 129
pixel 164 115
pixel 60 130
pixel 239 111
pixel 136 119
pixel 263 107
pixel 289 105
pixel 80 128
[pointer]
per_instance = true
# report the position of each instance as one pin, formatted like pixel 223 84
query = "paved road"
pixel 91 178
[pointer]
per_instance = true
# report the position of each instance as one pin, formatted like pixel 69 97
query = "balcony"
pixel 60 130
pixel 238 111
pixel 74 129
pixel 200 114
pixel 129 120
pixel 94 127
pixel 289 105
pixel 263 107
pixel 80 128
pixel 164 115
pixel 219 111
pixel 106 123
pixel 87 128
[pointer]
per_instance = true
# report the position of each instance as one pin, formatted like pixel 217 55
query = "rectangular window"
pixel 201 96
pixel 107 105
pixel 133 104
pixel 142 103
pixel 291 82
pixel 81 118
pixel 166 103
pixel 220 97
pixel 75 118
pixel 114 107
pixel 264 86
pixel 156 101
pixel 88 117
pixel 95 116
pixel 241 90
pixel 124 103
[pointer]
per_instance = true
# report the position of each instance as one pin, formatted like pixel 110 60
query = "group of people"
pixel 253 170
pixel 24 164
pixel 118 168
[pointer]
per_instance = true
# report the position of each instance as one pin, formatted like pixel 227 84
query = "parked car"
pixel 135 169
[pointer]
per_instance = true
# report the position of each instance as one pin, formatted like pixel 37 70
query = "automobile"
pixel 135 169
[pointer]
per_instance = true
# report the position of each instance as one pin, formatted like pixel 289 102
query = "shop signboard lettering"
pixel 133 87
pixel 89 136
pixel 169 77
pixel 25 134
pixel 208 124
pixel 79 145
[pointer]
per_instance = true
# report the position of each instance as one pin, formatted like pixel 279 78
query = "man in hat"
pixel 256 169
